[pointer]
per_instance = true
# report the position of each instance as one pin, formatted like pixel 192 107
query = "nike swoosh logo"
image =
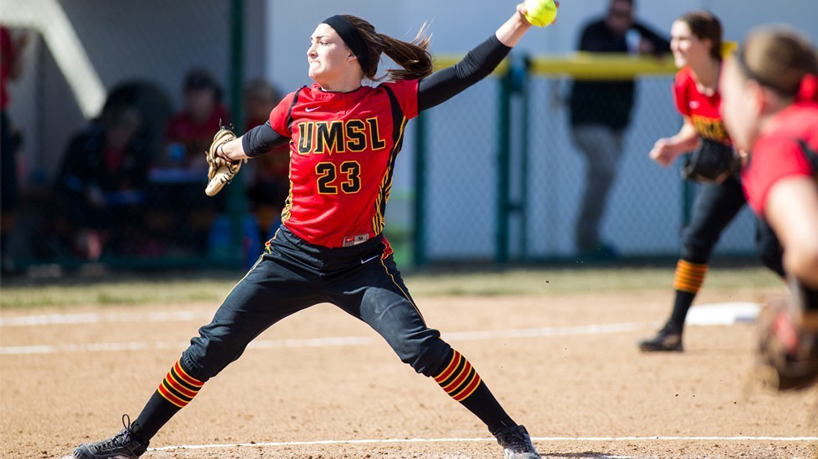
pixel 363 262
pixel 311 109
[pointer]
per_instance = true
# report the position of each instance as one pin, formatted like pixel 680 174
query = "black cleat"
pixel 516 443
pixel 669 339
pixel 121 446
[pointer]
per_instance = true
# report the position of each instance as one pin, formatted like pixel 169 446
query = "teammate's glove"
pixel 712 162
pixel 788 355
pixel 221 170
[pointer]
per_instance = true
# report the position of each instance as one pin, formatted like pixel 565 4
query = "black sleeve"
pixel 660 43
pixel 262 139
pixel 447 83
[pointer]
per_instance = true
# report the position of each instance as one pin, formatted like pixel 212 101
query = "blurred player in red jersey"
pixel 344 138
pixel 696 42
pixel 770 107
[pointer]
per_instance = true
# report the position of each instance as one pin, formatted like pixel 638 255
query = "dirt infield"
pixel 321 384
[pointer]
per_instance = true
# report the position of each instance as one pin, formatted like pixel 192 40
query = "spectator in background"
pixel 600 112
pixel 190 131
pixel 180 214
pixel 11 68
pixel 100 186
pixel 260 97
pixel 269 182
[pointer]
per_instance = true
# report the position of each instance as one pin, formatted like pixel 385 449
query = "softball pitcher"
pixel 343 139
pixel 696 45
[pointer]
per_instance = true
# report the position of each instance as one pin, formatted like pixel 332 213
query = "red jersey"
pixel 702 110
pixel 196 136
pixel 342 154
pixel 779 154
pixel 7 52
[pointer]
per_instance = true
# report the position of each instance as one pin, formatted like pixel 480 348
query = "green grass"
pixel 119 289
pixel 544 281
pixel 116 291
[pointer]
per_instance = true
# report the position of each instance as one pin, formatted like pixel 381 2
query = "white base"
pixel 723 314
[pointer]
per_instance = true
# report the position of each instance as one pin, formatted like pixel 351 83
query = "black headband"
pixel 745 69
pixel 351 37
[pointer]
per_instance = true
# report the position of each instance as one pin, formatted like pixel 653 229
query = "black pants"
pixel 8 166
pixel 293 275
pixel 715 207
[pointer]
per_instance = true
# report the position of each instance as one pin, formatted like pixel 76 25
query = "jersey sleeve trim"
pixel 405 93
pixel 290 111
pixel 280 120
pixel 399 120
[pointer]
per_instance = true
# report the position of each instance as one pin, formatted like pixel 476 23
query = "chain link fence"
pixel 111 164
pixel 461 150
pixel 468 163
pixel 647 204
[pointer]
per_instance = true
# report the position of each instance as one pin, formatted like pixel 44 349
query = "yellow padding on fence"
pixel 609 66
pixel 444 61
pixel 592 66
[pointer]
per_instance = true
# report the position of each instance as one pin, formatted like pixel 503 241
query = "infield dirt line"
pixel 441 440
pixel 480 335
pixel 701 314
pixel 474 440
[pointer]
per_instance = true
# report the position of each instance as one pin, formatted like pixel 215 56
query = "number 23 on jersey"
pixel 350 175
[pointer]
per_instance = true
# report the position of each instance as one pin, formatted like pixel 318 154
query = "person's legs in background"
pixel 602 148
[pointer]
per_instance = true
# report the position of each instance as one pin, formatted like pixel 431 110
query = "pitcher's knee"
pixel 192 367
pixel 424 356
pixel 208 355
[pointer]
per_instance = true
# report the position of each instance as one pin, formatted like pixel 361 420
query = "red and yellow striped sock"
pixel 178 387
pixel 689 276
pixel 459 379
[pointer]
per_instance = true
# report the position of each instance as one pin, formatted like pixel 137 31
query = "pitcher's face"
pixel 328 56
